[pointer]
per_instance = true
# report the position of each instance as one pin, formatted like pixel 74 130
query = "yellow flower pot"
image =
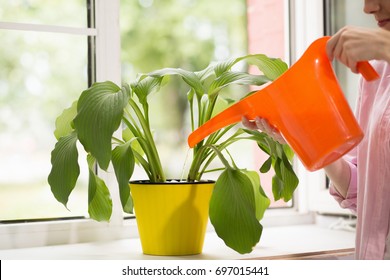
pixel 171 217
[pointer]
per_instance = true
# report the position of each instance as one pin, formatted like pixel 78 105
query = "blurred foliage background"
pixel 187 34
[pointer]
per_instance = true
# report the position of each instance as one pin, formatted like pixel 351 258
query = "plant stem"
pixel 118 141
pixel 192 114
pixel 221 147
pixel 214 170
pixel 202 154
pixel 151 152
pixel 221 157
pixel 196 162
pixel 210 107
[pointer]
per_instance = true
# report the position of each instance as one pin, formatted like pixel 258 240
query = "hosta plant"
pixel 238 201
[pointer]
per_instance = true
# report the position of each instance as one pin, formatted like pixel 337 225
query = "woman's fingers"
pixel 264 126
pixel 249 124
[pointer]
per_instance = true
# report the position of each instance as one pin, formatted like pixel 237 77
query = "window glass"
pixel 342 13
pixel 41 74
pixel 58 12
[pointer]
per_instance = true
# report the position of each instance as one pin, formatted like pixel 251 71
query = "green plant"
pixel 238 201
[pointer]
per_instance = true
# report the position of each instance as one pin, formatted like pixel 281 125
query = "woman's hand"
pixel 264 125
pixel 353 44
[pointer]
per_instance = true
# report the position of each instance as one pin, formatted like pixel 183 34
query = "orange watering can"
pixel 306 104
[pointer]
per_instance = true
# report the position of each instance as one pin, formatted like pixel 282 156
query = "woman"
pixel 361 180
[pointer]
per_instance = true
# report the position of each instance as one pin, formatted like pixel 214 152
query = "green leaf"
pixel 190 95
pixel 221 104
pixel 285 180
pixel 288 151
pixel 190 78
pixel 99 199
pixel 233 211
pixel 271 67
pixel 241 78
pixel 260 138
pixel 127 136
pixel 64 121
pixel 65 169
pixel 261 199
pixel 289 178
pixel 275 148
pixel 145 87
pixel 277 187
pixel 266 165
pixel 222 67
pixel 100 109
pixel 207 72
pixel 123 162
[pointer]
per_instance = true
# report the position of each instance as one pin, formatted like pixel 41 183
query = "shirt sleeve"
pixel 350 200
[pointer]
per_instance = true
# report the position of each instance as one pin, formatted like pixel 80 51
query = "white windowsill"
pixel 275 241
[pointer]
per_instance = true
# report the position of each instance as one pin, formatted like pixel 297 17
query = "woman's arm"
pixel 339 173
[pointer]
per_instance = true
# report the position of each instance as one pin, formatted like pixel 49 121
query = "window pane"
pixel 58 12
pixel 41 74
pixel 342 13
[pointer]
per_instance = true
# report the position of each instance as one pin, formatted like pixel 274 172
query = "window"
pixel 49 49
pixel 62 50
pixel 40 51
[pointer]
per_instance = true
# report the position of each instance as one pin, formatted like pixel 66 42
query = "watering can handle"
pixel 368 72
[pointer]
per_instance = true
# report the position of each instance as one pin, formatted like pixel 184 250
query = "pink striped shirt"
pixel 369 190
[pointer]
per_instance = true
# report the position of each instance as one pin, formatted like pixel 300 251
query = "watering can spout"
pixel 306 104
pixel 225 118
pixel 257 104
